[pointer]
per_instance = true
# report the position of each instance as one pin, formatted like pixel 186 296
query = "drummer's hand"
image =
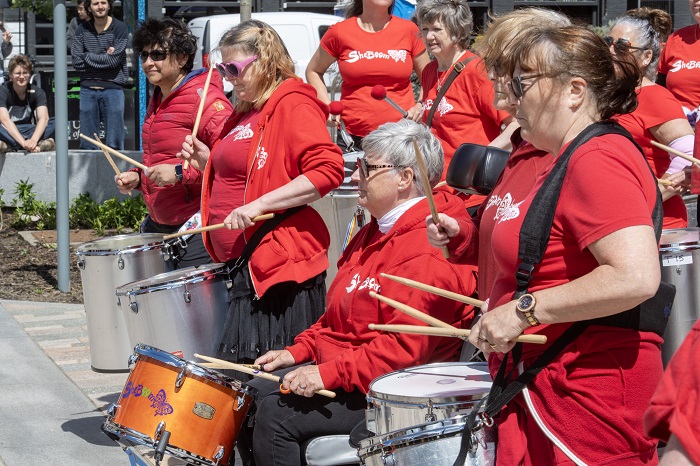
pixel 304 381
pixel 677 188
pixel 415 113
pixel 333 121
pixel 275 359
pixel 439 237
pixel 243 216
pixel 497 329
pixel 195 152
pixel 127 181
pixel 162 174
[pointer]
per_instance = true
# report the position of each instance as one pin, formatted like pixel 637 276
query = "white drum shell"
pixel 427 393
pixel 679 251
pixel 430 444
pixel 104 265
pixel 183 310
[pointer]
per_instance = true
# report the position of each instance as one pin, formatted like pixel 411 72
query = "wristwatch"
pixel 526 305
pixel 178 171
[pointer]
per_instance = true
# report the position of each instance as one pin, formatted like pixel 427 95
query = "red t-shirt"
pixel 680 62
pixel 657 106
pixel 227 190
pixel 366 59
pixel 675 407
pixel 607 187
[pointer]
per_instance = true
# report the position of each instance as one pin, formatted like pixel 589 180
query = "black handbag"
pixel 475 169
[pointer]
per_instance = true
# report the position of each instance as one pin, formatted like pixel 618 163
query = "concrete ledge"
pixel 89 172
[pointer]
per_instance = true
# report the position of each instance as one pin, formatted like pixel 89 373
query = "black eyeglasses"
pixel 516 84
pixel 621 45
pixel 364 167
pixel 156 55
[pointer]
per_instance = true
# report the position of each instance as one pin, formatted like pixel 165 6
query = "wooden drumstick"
pixel 255 373
pixel 428 191
pixel 445 332
pixel 186 163
pixel 664 182
pixel 218 226
pixel 115 152
pixel 432 289
pixel 406 309
pixel 441 184
pixel 676 152
pixel 110 159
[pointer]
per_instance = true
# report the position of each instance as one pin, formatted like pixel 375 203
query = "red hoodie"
pixel 290 139
pixel 348 354
pixel 164 130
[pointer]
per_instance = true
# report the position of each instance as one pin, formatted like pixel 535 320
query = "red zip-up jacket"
pixel 348 354
pixel 290 139
pixel 164 130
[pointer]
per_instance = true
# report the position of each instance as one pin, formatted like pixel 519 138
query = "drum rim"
pixel 138 287
pixel 388 399
pixel 678 245
pixel 148 245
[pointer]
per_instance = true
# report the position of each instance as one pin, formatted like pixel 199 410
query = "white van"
pixel 301 33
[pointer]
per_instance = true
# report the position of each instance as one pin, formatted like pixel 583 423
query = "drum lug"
pixel 240 401
pixel 160 428
pixel 219 454
pixel 166 253
pixel 679 271
pixel 186 295
pixel 81 264
pixel 112 410
pixel 120 262
pixel 132 361
pixel 371 419
pixel 388 459
pixel 182 376
pixel 430 416
pixel 134 306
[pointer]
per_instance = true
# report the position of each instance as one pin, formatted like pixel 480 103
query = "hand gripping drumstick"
pixel 428 191
pixel 435 290
pixel 186 163
pixel 109 159
pixel 446 332
pixel 255 373
pixel 676 152
pixel 218 226
pixel 115 152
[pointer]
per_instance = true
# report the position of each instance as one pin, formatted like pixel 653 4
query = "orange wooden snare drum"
pixel 178 407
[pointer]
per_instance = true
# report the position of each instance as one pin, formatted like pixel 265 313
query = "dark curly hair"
pixel 167 34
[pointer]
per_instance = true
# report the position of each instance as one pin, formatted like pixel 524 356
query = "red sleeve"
pixel 417 45
pixel 304 346
pixel 675 407
pixel 330 42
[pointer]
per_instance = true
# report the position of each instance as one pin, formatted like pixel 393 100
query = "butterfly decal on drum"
pixel 160 402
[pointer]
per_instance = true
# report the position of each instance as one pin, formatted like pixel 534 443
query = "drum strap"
pixel 456 69
pixel 534 237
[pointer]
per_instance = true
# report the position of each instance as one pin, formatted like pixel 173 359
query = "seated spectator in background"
pixel 75 22
pixel 5 50
pixel 24 115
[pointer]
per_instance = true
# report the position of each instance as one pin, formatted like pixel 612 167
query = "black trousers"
pixel 279 424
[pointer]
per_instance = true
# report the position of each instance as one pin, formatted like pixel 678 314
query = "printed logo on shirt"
pixel 370 283
pixel 241 132
pixel 262 158
pixel 396 55
pixel 506 209
pixel 443 107
pixel 680 65
pixel 218 106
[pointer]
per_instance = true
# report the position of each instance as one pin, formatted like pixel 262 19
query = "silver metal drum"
pixel 431 444
pixel 337 209
pixel 425 394
pixel 679 252
pixel 104 265
pixel 183 310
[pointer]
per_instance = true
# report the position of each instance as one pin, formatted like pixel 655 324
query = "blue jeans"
pixel 27 130
pixel 106 106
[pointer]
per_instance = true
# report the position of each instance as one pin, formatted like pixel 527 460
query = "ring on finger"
pixel 492 346
pixel 303 387
pixel 481 339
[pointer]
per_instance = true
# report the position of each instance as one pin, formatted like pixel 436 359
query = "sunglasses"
pixel 516 84
pixel 156 55
pixel 233 69
pixel 364 167
pixel 621 45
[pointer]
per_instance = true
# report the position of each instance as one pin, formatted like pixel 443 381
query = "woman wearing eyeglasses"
pixel 345 354
pixel 173 194
pixel 273 154
pixel 637 36
pixel 600 261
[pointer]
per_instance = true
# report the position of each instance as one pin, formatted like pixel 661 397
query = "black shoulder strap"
pixel 456 69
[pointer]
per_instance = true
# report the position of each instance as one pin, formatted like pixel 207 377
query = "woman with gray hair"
pixel 637 35
pixel 458 97
pixel 346 355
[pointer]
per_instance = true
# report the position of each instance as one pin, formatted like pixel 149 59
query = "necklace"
pixel 446 73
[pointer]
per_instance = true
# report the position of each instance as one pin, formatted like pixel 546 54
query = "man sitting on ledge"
pixel 24 115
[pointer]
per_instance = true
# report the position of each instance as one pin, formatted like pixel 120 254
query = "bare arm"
pixel 675 454
pixel 502 141
pixel 42 120
pixel 671 130
pixel 315 70
pixel 415 113
pixel 10 127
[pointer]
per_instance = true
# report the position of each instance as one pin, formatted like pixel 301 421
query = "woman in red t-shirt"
pixel 659 116
pixel 372 47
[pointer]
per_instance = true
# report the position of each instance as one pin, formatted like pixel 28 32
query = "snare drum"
pixel 425 394
pixel 434 443
pixel 679 251
pixel 183 310
pixel 202 410
pixel 104 265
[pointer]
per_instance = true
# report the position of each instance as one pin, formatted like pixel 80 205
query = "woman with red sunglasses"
pixel 272 155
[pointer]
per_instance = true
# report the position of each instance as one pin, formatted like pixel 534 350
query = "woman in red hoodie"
pixel 346 355
pixel 273 154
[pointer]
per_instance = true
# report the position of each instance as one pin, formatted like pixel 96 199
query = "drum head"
pixel 121 243
pixel 174 279
pixel 448 381
pixel 679 239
